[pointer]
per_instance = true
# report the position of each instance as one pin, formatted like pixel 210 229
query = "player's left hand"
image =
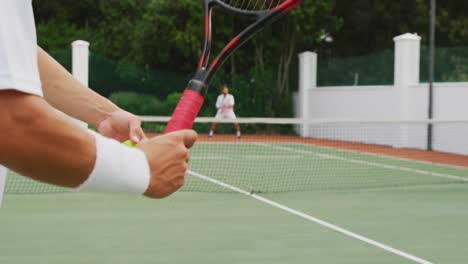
pixel 121 126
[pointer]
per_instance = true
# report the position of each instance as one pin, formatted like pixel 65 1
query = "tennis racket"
pixel 261 13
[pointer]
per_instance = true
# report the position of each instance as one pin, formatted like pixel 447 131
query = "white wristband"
pixel 118 169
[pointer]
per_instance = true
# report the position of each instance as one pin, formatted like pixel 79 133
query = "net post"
pixel 430 127
pixel 3 175
pixel 80 68
pixel 307 82
pixel 406 76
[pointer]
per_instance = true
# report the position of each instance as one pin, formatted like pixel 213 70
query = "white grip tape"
pixel 118 169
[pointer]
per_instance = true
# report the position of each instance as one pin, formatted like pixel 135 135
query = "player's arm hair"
pixel 68 95
pixel 38 142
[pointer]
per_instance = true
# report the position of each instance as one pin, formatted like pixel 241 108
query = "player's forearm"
pixel 36 141
pixel 68 95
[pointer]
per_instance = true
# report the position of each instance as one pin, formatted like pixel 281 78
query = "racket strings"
pixel 254 5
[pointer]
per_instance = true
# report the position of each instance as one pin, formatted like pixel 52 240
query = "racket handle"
pixel 186 111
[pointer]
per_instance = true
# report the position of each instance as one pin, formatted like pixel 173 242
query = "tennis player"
pixel 225 105
pixel 38 142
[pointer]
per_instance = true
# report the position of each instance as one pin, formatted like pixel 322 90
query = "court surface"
pixel 414 207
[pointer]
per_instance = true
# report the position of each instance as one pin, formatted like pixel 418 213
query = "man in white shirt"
pixel 225 105
pixel 40 143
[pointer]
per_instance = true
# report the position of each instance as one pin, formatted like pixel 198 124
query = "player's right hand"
pixel 168 159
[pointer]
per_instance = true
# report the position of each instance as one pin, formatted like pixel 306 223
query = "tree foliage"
pixel 166 36
pixel 140 104
pixel 370 26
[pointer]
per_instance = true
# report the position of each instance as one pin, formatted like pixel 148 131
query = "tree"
pixel 140 36
pixel 370 26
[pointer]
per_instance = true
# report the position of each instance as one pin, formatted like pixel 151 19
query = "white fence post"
pixel 80 67
pixel 307 82
pixel 407 60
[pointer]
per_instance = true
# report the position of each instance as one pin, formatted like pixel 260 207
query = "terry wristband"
pixel 118 169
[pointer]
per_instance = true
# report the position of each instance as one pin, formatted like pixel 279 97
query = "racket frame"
pixel 192 99
pixel 206 71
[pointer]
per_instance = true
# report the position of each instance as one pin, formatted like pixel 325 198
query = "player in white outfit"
pixel 225 105
pixel 39 142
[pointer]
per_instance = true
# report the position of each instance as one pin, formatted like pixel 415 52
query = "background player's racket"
pixel 260 12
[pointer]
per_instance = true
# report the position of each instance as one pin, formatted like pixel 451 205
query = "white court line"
pixel 383 156
pixel 208 158
pixel 342 150
pixel 315 220
pixel 372 164
pixel 251 157
pixel 273 157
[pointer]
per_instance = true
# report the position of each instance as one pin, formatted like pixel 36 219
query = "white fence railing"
pixel 407 99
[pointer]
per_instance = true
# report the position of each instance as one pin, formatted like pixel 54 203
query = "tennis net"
pixel 286 155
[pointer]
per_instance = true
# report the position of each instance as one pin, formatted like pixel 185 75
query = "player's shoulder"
pixel 230 96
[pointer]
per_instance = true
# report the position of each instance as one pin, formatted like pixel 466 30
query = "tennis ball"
pixel 129 143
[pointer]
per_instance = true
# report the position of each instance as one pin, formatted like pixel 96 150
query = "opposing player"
pixel 225 106
pixel 39 142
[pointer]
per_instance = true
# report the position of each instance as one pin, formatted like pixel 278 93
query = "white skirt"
pixel 226 115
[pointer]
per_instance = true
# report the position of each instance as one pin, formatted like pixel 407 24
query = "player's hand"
pixel 168 157
pixel 121 126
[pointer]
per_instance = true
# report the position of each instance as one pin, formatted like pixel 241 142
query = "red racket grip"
pixel 186 111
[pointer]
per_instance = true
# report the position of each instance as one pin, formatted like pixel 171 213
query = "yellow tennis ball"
pixel 129 143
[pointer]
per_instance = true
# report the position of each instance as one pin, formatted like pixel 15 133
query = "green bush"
pixel 256 94
pixel 139 104
pixel 172 100
pixel 108 76
pixel 57 33
pixel 372 69
pixel 451 64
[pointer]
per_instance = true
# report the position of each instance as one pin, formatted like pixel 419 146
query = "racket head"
pixel 261 11
pixel 252 7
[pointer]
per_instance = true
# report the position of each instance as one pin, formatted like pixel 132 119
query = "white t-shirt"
pixel 225 100
pixel 18 54
pixel 18 48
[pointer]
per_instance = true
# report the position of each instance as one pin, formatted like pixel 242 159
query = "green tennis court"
pixel 415 207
